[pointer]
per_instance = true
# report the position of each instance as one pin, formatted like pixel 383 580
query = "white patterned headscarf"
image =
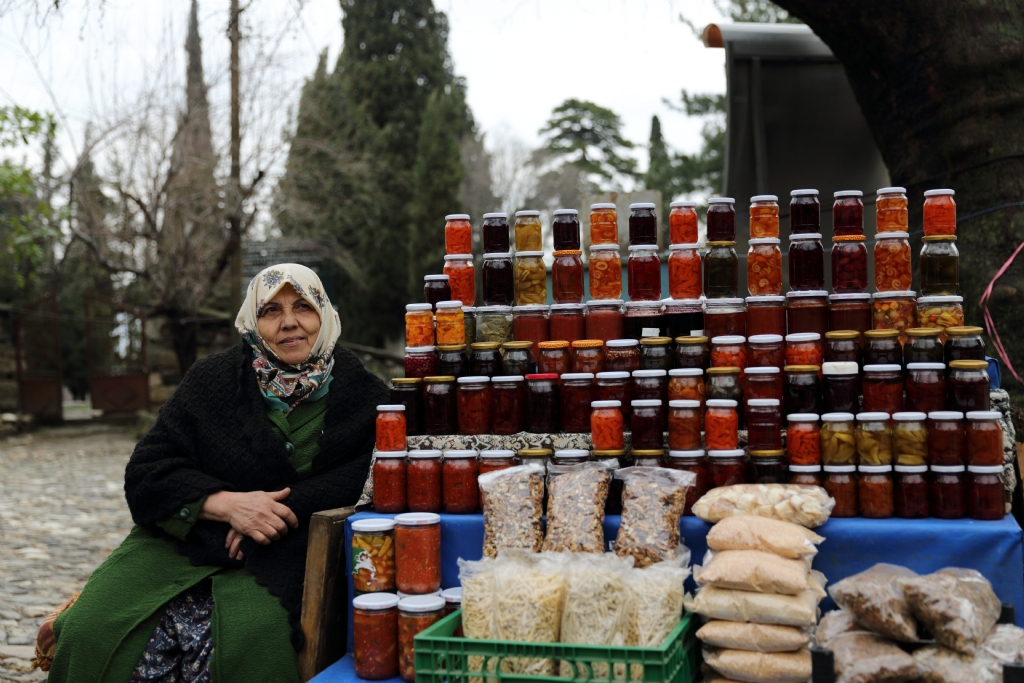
pixel 290 383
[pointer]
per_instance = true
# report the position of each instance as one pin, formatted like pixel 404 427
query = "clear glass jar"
pixel 923 346
pixel 806 262
pixel 389 478
pixel 418 551
pixel 721 425
pixel 684 424
pixel 508 395
pixel 588 355
pixel 984 436
pixel 531 277
pixel 528 231
pixel 452 604
pixel 604 225
pixel 850 312
pixel 721 270
pixel 894 311
pixel 803 439
pixel 566 322
pixel 726 468
pixel 390 427
pixel 408 392
pixel 804 348
pixel 729 351
pixel 656 353
pixel 801 391
pixel 940 312
pixel 415 615
pixel 764 425
pixel 910 491
pixel 807 311
pixel 498 279
pixel 420 361
pixel 419 325
pixel 682 222
pixel 644 272
pixel 615 386
pixel 874 439
pixel 946 438
pixel 644 319
pixel 883 389
pixel 849 264
pixel 685 279
pixel 805 475
pixel 424 491
pixel 939 213
pixel 766 351
pixel 460 470
pixel 940 266
pixel 840 387
pixel 764 267
pixel 684 317
pixel 964 343
pixel 840 482
pixel 565 228
pixel 452 360
pixel 576 396
pixel 643 224
pixel 436 288
pixel 375 636
pixel 948 492
pixel 693 352
pixel 440 409
pixel 883 348
pixel 838 443
pixel 494 324
pixel 542 404
pixel 723 317
pixel 474 405
pixel 570 456
pixel 721 219
pixel 686 384
pixel 495 233
pixel 764 216
pixel 461 277
pixel 567 277
pixel 373 561
pixel 451 323
pixel 606 425
pixel 530 323
pixel 768 467
pixel 926 387
pixel 874 492
pixel 604 319
pixel 910 438
pixel 842 346
pixel 967 385
pixel 605 271
pixel 646 424
pixel 517 358
pixel 622 355
pixel 892 262
pixel 765 315
pixel 891 210
pixel 691 461
pixel 485 359
pixel 762 383
pixel 985 493
pixel 804 212
pixel 848 213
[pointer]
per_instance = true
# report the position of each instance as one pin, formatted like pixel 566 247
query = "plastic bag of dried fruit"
pixel 937 664
pixel 513 504
pixel 864 657
pixel 958 606
pixel 576 498
pixel 808 506
pixel 876 601
pixel 652 503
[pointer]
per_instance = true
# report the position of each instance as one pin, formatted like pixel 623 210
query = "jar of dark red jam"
pixel 643 319
pixel 910 491
pixel 925 387
pixel 622 355
pixel 485 359
pixel 423 481
pixel 762 383
pixel 643 272
pixel 806 262
pixel 604 319
pixel 967 385
pixel 643 224
pixel 440 408
pixel 805 475
pixel 842 346
pixel 615 386
pixel 840 482
pixel 452 360
pixel 693 352
pixel 882 387
pixel 923 345
pixel 691 461
pixel 985 493
pixel 460 470
pixel 765 315
pixel 724 317
pixel 494 460
pixel 684 317
pixel 801 391
pixel 566 322
pixel 498 279
pixel 883 348
pixel 766 351
pixel 875 491
pixel 727 468
pixel 848 213
pixel 508 393
pixel 647 424
pixel 947 445
pixel 840 387
pixel 807 311
pixel 656 353
pixel 567 277
pixel 474 405
pixel 850 312
pixel 948 491
pixel 420 361
pixel 768 467
pixel 517 359
pixel 408 391
pixel 576 397
pixel 436 288
pixel 764 426
pixel 964 343
pixel 543 406
pixel 849 264
pixel 650 384
pixel 495 232
pixel 566 229
pixel 721 219
pixel 530 323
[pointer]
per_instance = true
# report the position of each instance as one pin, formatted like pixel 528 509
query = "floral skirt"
pixel 180 648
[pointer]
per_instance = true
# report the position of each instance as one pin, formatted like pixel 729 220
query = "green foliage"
pixel 676 173
pixel 589 136
pixel 660 172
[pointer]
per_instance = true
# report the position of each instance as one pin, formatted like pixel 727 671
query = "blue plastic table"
pixel 996 549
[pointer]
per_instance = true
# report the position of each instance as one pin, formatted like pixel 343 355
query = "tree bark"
pixel 941 84
pixel 235 182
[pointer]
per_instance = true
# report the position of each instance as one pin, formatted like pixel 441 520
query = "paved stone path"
pixel 62 511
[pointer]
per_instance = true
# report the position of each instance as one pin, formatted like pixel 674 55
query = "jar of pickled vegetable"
pixel 485 359
pixel 883 389
pixel 804 212
pixel 726 467
pixel 806 262
pixel 964 343
pixel 604 319
pixel 723 383
pixel 615 386
pixel 939 313
pixel 842 346
pixel 542 403
pixel 461 277
pixel 606 426
pixel 840 387
pixel 576 397
pixel 764 216
pixel 840 482
pixel 923 346
pixel 801 391
pixel 891 209
pixel 894 311
pixel 643 224
pixel 375 636
pixel 451 325
pixel 948 492
pixel 605 271
pixel 682 222
pixel 530 323
pixel 567 277
pixel 408 392
pixel 805 475
pixel 985 493
pixel 892 262
pixel 656 353
pixel 874 439
pixel 721 219
pixel 875 492
pixel 849 264
pixel 458 234
pixel 850 312
pixel 460 471
pixel 721 270
pixel 693 352
pixel 588 355
pixel 684 271
pixel 883 348
pixel 415 614
pixel 724 317
pixel 764 267
pixel 373 555
pixel 517 358
pixel 531 278
pixel 420 361
pixel 848 213
pixel 807 311
pixel 436 288
pixel 940 266
pixel 768 467
pixel 721 424
pixel 423 481
pixel 984 438
pixel 684 421
pixel 939 213
pixel 646 424
pixel 803 439
pixel 686 384
pixel 967 386
pixel 762 383
pixel 622 355
pixel 553 356
pixel 691 461
pixel 910 438
pixel 390 426
pixel 684 317
pixel 838 443
pixel 494 324
pixel 804 349
pixel 644 319
pixel 389 477
pixel 910 491
pixel 419 325
pixel 765 315
pixel 508 396
pixel 452 360
pixel 604 225
pixel 764 425
pixel 946 438
pixel 926 387
pixel 440 409
pixel 528 231
pixel 418 551
pixel 765 351
pixel 729 351
pixel 567 323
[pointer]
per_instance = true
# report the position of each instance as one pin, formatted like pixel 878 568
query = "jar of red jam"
pixel 693 352
pixel 721 270
pixel 984 436
pixel 764 425
pixel 910 491
pixel 656 353
pixel 576 397
pixel 420 361
pixel 764 216
pixel 606 425
pixel 643 224
pixel 566 322
pixel 767 467
pixel 963 343
pixel 721 425
pixel 762 383
pixel 946 438
pixel 530 323
pixel 474 405
pixel 684 317
pixel 849 264
pixel 801 392
pixel 565 228
pixel 806 262
pixel 948 491
pixel 543 406
pixel 685 280
pixel 764 267
pixel 460 470
pixel 923 346
pixel 807 311
pixel 840 387
pixel 494 460
pixel 643 319
pixel 686 384
pixel 840 482
pixel 495 232
pixel 850 312
pixel 848 213
pixel 926 387
pixel 765 315
pixel 684 422
pixel 721 219
pixel 485 359
pixel 883 348
pixel 622 355
pixel 604 319
pixel 765 351
pixel 804 212
pixel 440 408
pixel 643 271
pixel 436 288
pixel 691 461
pixel 967 386
pixel 423 489
pixel 605 270
pixel 875 492
pixel 724 317
pixel 646 424
pixel 375 636
pixel 883 389
pixel 615 386
pixel 553 357
pixel 508 400
pixel 651 384
pixel 803 439
pixel 805 475
pixel 415 615
pixel 682 222
pixel 389 476
pixel 418 550
pixel 452 360
pixel 588 355
pixel 985 492
pixel 726 467
pixel 567 277
pixel 804 349
pixel 842 346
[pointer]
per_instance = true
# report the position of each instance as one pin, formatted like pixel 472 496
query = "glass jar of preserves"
pixel 963 343
pixel 419 325
pixel 452 360
pixel 576 397
pixel 939 213
pixel 517 358
pixel 418 551
pixel 724 317
pixel 528 231
pixel 946 438
pixel 408 392
pixel 440 410
pixel 849 264
pixel 415 614
pixel 474 405
pixel 684 422
pixel 485 359
pixel 721 425
pixel 461 278
pixel 721 270
pixel 604 224
pixel 535 456
pixel 765 315
pixel 805 475
pixel 508 396
pixel 495 233
pixel 883 348
pixel 566 322
pixel 874 492
pixel 684 317
pixel 498 279
pixel 567 277
pixel 840 482
pixel 721 219
pixel 622 355
pixel 806 262
pixel 883 389
pixel 842 346
pixel 451 323
pixel 723 384
pixel 615 386
pixel 807 311
pixel 565 229
pixel 764 267
pixel 588 355
pixel 606 426
pixel 940 266
pixel 691 461
pixel 925 387
pixel 984 438
pixel 686 384
pixel 693 352
pixel 850 312
pixel 604 319
pixel 762 383
pixel 923 346
pixel 892 262
pixel 985 493
pixel 766 351
pixel 729 351
pixel 656 353
pixel 684 272
pixel 838 443
pixel 494 324
pixel 764 425
pixel 764 216
pixel 643 319
pixel 420 361
pixel 423 489
pixel 910 438
pixel 436 288
pixel 894 311
pixel 553 357
pixel 848 213
pixel 458 234
pixel 375 636
pixel 531 278
pixel 804 212
pixel 643 224
pixel 452 603
pixel 373 555
pixel 389 477
pixel 682 222
pixel 646 424
pixel 948 492
pixel 967 386
pixel 803 439
pixel 804 349
pixel 390 427
pixel 910 491
pixel 605 271
pixel 891 210
pixel 650 384
pixel 652 457
pixel 840 387
pixel 459 473
pixel 768 467
pixel 570 456
pixel 801 391
pixel 726 468
pixel 644 272
pixel 874 439
pixel 469 318
pixel 530 323
pixel 542 403
pixel 940 313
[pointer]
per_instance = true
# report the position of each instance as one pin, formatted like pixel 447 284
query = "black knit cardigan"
pixel 214 434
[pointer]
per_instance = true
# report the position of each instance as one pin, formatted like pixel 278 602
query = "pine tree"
pixel 659 174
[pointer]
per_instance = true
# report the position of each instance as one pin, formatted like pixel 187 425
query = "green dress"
pixel 103 635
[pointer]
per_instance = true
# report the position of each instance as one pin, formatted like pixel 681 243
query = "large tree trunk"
pixel 941 84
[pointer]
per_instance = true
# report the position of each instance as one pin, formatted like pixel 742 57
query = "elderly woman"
pixel 208 585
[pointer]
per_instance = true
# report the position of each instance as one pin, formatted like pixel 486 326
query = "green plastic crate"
pixel 443 658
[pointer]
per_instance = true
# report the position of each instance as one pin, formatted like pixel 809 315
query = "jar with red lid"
pixel 721 425
pixel 604 319
pixel 646 424
pixel 910 491
pixel 801 391
pixel 687 384
pixel 721 219
pixel 390 427
pixel 691 461
pixel 765 351
pixel 435 289
pixel 605 269
pixel 389 477
pixel 875 492
pixel 615 386
pixel 496 459
pixel 806 262
pixel 684 421
pixel 685 280
pixel 643 319
pixel 458 234
pixel 498 279
pixel 693 352
pixel 606 425
pixel 840 387
pixel 926 387
pixel 644 272
pixel 883 388
pixel 721 270
pixel 892 262
pixel 848 213
pixel 684 317
pixel 420 361
pixel 803 439
pixel 567 276
pixel 850 312
pixel 963 343
pixel 452 360
pixel 985 492
pixel 849 264
pixel 423 488
pixel 553 357
pixel 762 383
pixel 767 467
pixel 729 351
pixel 375 636
pixel 894 311
pixel 804 212
pixel 656 353
pixel 891 213
pixel 804 349
pixel 530 323
pixel 418 551
pixel 726 467
pixel 842 346
pixel 984 436
pixel 764 267
pixel 939 213
pixel 517 358
pixel 576 397
pixel 461 277
pixel 764 425
pixel 723 317
pixel 807 311
pixel 948 491
pixel 883 348
pixel 622 355
pixel 508 396
pixel 459 473
pixel 765 315
pixel 415 615
pixel 408 392
pixel 542 403
pixel 474 405
pixel 764 216
pixel 682 222
pixel 946 438
pixel 643 224
pixel 967 386
pixel 495 233
pixel 440 408
pixel 566 322
pixel 805 475
pixel 840 482
pixel 588 355
pixel 485 359
pixel 650 384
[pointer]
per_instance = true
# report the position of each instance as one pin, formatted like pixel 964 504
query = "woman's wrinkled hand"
pixel 232 543
pixel 257 514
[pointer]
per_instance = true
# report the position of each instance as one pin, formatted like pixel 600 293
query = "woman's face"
pixel 289 325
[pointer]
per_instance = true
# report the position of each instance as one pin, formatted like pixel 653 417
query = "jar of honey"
pixel 940 266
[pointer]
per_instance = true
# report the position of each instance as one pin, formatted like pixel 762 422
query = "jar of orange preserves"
pixel 391 427
pixel 939 213
pixel 451 323
pixel 461 277
pixel 606 426
pixel 764 267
